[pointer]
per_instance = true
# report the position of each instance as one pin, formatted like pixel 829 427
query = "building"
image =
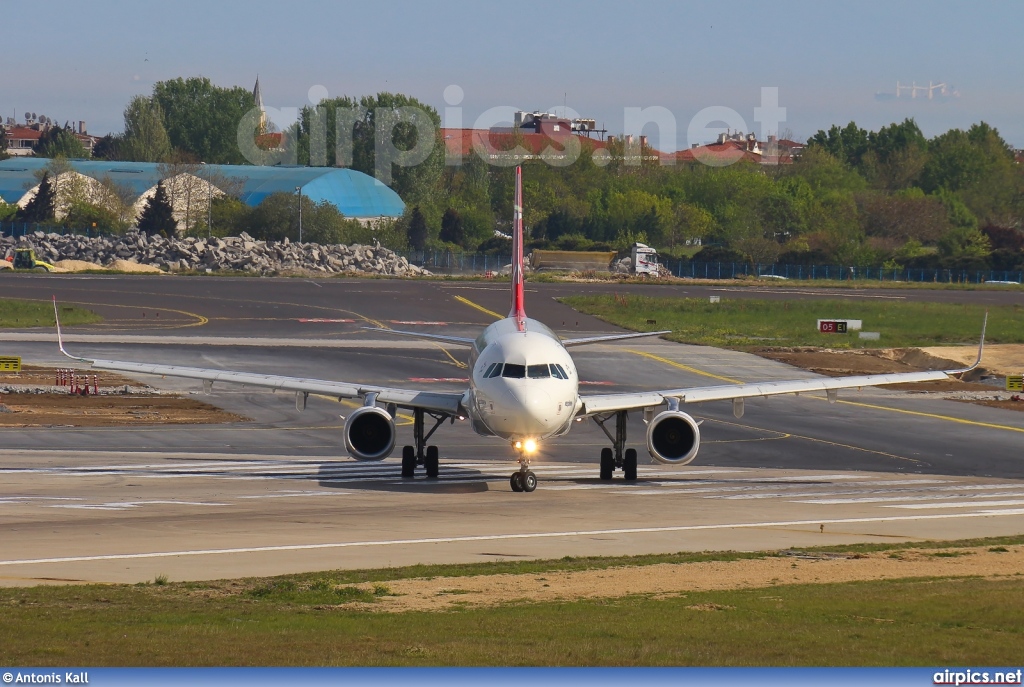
pixel 191 187
pixel 21 139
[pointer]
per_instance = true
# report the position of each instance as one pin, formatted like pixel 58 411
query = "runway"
pixel 277 494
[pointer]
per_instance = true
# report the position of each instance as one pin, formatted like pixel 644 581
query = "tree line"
pixel 854 197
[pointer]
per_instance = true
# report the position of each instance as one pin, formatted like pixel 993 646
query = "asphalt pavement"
pixel 124 495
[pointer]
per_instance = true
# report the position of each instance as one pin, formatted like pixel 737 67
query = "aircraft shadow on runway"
pixel 387 477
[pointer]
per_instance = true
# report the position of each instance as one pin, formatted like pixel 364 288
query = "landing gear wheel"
pixel 408 461
pixel 607 464
pixel 431 462
pixel 528 480
pixel 629 465
pixel 515 481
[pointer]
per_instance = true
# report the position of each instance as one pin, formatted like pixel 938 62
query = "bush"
pixel 718 254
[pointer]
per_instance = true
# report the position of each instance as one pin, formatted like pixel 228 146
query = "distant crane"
pixel 944 90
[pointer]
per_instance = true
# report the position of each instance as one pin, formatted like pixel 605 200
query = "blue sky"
pixel 86 59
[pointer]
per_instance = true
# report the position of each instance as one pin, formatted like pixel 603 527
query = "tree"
pixel 145 138
pixel 3 144
pixel 59 142
pixel 277 217
pixel 158 215
pixel 7 210
pixel 202 119
pixel 847 144
pixel 417 183
pixel 42 207
pixel 417 230
pixel 107 148
pixel 452 230
pixel 92 216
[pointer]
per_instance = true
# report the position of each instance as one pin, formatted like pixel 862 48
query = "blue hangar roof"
pixel 354 194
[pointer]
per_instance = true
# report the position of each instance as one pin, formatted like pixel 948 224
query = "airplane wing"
pixel 610 337
pixel 457 340
pixel 464 341
pixel 605 403
pixel 445 402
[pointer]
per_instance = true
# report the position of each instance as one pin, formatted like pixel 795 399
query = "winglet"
pixel 981 344
pixel 60 339
pixel 981 350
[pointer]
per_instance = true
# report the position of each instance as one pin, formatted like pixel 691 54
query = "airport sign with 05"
pixel 832 326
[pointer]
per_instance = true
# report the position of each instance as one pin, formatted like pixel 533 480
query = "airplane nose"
pixel 537 406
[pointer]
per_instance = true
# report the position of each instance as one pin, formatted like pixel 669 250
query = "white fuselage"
pixel 522 384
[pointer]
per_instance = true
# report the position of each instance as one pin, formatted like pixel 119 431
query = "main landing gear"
pixel 618 456
pixel 523 479
pixel 421 454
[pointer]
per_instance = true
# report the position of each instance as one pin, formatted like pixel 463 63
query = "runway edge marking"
pixel 505 537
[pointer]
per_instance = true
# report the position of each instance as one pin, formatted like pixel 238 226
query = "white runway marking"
pixel 501 537
pixel 893 499
pixel 959 504
pixel 829 489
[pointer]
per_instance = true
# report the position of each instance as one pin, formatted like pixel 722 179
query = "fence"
pixel 447 262
pixel 734 270
pixel 444 262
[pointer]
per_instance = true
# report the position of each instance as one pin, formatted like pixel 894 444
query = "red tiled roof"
pixel 23 132
pixel 270 141
pixel 465 141
pixel 715 154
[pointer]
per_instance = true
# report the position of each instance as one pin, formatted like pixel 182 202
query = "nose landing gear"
pixel 523 479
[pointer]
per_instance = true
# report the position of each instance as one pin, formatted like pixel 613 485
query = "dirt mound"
pixel 667 579
pixel 77 265
pixel 1001 359
pixel 132 266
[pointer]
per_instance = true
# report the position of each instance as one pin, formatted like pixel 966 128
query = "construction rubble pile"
pixel 235 253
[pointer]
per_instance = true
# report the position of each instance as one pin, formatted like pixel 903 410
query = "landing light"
pixel 530 445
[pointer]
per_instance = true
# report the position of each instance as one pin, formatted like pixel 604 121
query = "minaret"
pixel 257 99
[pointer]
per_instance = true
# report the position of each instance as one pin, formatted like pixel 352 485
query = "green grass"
pixel 321 619
pixel 744 323
pixel 22 314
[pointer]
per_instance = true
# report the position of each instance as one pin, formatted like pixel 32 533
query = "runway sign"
pixel 1015 382
pixel 832 326
pixel 10 364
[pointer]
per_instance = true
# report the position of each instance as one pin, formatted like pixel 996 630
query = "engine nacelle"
pixel 673 437
pixel 369 433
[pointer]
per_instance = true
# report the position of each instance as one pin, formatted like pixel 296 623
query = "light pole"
pixel 298 189
pixel 209 202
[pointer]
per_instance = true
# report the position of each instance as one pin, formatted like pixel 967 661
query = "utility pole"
pixel 298 189
pixel 209 201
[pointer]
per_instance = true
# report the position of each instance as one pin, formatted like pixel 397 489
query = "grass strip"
pixel 882 623
pixel 746 323
pixel 323 619
pixel 23 314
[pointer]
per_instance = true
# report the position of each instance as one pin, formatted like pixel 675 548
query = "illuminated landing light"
pixel 518 445
pixel 530 445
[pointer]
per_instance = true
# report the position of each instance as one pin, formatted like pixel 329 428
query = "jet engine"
pixel 673 437
pixel 370 433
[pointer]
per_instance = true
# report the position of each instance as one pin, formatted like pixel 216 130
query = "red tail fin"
pixel 518 309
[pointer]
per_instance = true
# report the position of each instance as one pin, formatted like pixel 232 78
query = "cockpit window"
pixel 561 370
pixel 537 371
pixel 554 371
pixel 493 371
pixel 513 371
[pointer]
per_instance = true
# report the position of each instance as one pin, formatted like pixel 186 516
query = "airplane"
pixel 523 389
